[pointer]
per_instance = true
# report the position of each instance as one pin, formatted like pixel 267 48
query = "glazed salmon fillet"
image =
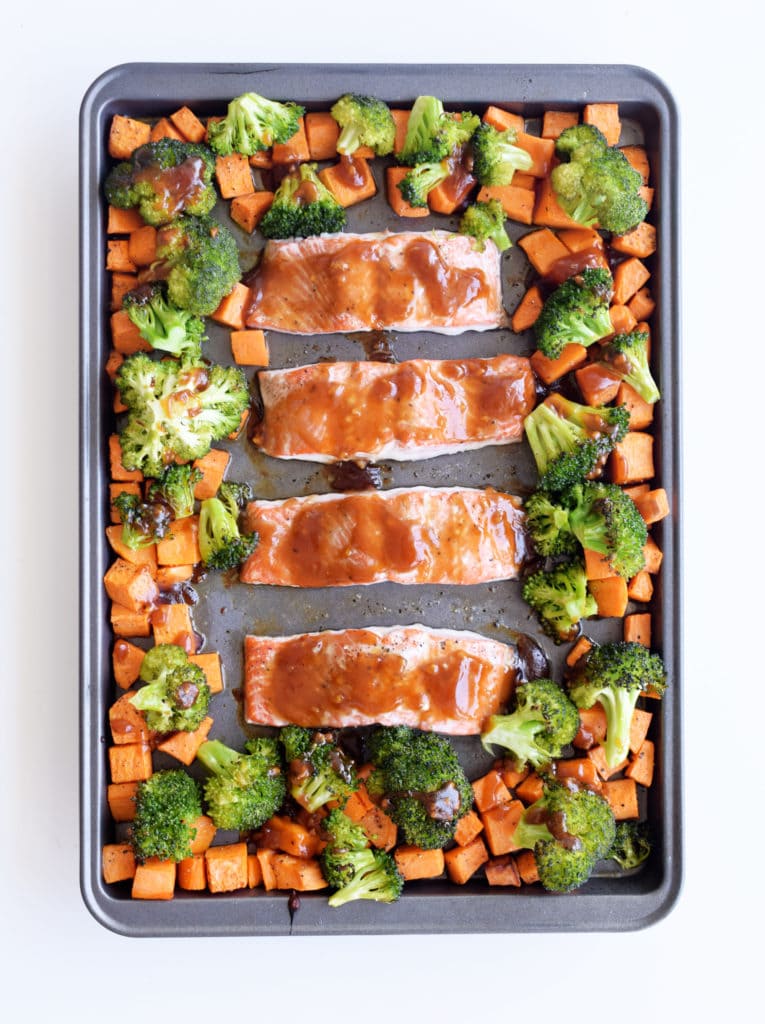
pixel 449 535
pixel 410 281
pixel 330 412
pixel 436 679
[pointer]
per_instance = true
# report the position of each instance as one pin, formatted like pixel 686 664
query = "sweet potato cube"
pixel 132 586
pixel 547 210
pixel 322 132
pixel 503 119
pixel 192 873
pixel 118 256
pixel 637 628
pixel 181 545
pixel 295 150
pixel 117 862
pixel 130 762
pixel 226 867
pixel 249 348
pixel 126 134
pixel 653 555
pixel 580 648
pixel 126 663
pixel 121 799
pixel 641 412
pixel 527 867
pixel 117 470
pixel 512 776
pixel 205 833
pixel 136 556
pixel 397 203
pixel 266 862
pixel 213 468
pixel 598 385
pixel 358 804
pixel 641 304
pixel 640 241
pixel 233 174
pixel 171 624
pixel 592 727
pixel 122 222
pixel 189 125
pixel 337 179
pixel 415 863
pixel 640 768
pixel 653 506
pixel 518 203
pixel 528 309
pixel 639 725
pixel 248 210
pixel 622 319
pixel 597 566
pixel 299 873
pixel 580 769
pixel 543 249
pixel 211 666
pixel 604 116
pixel 468 827
pixel 230 312
pixel 531 789
pixel 598 757
pixel 254 874
pixel 499 824
pixel 121 285
pixel 556 121
pixel 154 880
pixel 142 245
pixel 622 796
pixel 549 370
pixel 629 276
pixel 541 151
pixel 610 595
pixel 127 723
pixel 183 746
pixel 502 871
pixel 128 623
pixel 170 575
pixel 638 160
pixel 462 862
pixel 490 790
pixel 401 120
pixel 640 587
pixel 379 828
pixel 165 129
pixel 631 461
pixel 126 338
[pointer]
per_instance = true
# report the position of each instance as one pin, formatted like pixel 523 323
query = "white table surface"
pixel 706 956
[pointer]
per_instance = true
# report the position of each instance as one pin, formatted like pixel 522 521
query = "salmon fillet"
pixel 436 679
pixel 450 535
pixel 411 281
pixel 330 412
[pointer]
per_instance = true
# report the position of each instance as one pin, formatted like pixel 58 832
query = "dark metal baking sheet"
pixel 226 612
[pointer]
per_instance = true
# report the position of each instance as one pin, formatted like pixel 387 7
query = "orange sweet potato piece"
pixel 240 426
pixel 640 241
pixel 598 757
pixel 531 789
pixel 578 239
pixel 490 790
pixel 132 586
pixel 639 726
pixel 547 209
pixel 205 833
pixel 136 556
pixel 399 205
pixel 597 566
pixel 527 867
pixel 462 862
pixel 637 628
pixel 629 276
pixel 340 179
pixel 183 746
pixel 165 129
pixel 181 545
pixel 117 470
pixel 266 862
pixel 126 338
pixel 154 880
pixel 233 175
pixel 622 796
pixel 121 285
pixel 114 361
pixel 604 116
pixel 543 249
pixel 592 727
pixel 247 210
pixel 638 159
pixel 118 256
pixel 499 824
pixel 528 309
pixel 192 873
pixel 211 666
pixel 130 762
pixel 468 828
pixel 653 506
pixel 541 152
pixel 142 245
pixel 322 132
pixel 642 305
pixel 125 135
pixel 556 121
pixel 282 833
pixel 297 873
pixel 249 348
pixel 622 320
pixel 640 768
pixel 126 723
pixel 254 873
pixel 295 150
pixel 653 556
pixel 518 203
pixel 580 648
pixel 414 863
pixel 122 222
pixel 213 468
pixel 640 587
pixel 631 461
pixel 121 799
pixel 597 384
pixel 226 867
pixel 188 124
pixel 126 663
pixel 581 769
pixel 380 829
pixel 169 575
pixel 610 595
pixel 171 624
pixel 358 804
pixel 503 119
pixel 502 871
pixel 126 622
pixel 230 312
pixel 641 412
pixel 511 776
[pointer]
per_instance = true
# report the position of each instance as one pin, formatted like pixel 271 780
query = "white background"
pixel 706 958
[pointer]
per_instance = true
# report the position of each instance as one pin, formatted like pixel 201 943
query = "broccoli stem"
pixel 515 732
pixel 618 703
pixel 217 757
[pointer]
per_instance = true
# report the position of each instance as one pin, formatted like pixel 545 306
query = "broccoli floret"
pixel 354 870
pixel 485 221
pixel 253 123
pixel 421 180
pixel 163 325
pixel 423 784
pixel 543 721
pixel 577 311
pixel 496 156
pixel 164 179
pixel 166 806
pixel 318 770
pixel 176 695
pixel 143 522
pixel 594 183
pixel 548 526
pixel 604 518
pixel 561 599
pixel 221 543
pixel 570 442
pixel 364 121
pixel 198 259
pixel 433 134
pixel 244 789
pixel 627 355
pixel 175 412
pixel 302 206
pixel 569 831
pixel 632 844
pixel 614 675
pixel 176 489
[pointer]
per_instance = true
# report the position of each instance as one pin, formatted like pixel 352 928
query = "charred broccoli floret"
pixel 164 179
pixel 166 807
pixel 433 134
pixel 244 789
pixel 541 724
pixel 594 183
pixel 143 522
pixel 496 156
pixel 604 518
pixel 423 785
pixel 198 260
pixel 569 832
pixel 318 770
pixel 364 121
pixel 252 123
pixel 614 675
pixel 221 542
pixel 175 488
pixel 627 355
pixel 355 871
pixel 176 695
pixel 561 599
pixel 577 311
pixel 302 206
pixel 485 221
pixel 164 325
pixel 570 442
pixel 632 844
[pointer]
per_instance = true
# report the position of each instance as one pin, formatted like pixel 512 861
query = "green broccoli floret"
pixel 548 526
pixel 364 121
pixel 221 543
pixel 627 355
pixel 423 784
pixel 253 123
pixel 164 179
pixel 143 522
pixel 561 599
pixel 163 325
pixel 198 259
pixel 244 789
pixel 577 311
pixel 354 870
pixel 318 770
pixel 632 844
pixel 175 412
pixel 604 518
pixel 485 221
pixel 594 183
pixel 166 806
pixel 176 695
pixel 614 675
pixel 302 206
pixel 570 442
pixel 496 157
pixel 422 179
pixel 433 134
pixel 176 489
pixel 542 723
pixel 569 831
